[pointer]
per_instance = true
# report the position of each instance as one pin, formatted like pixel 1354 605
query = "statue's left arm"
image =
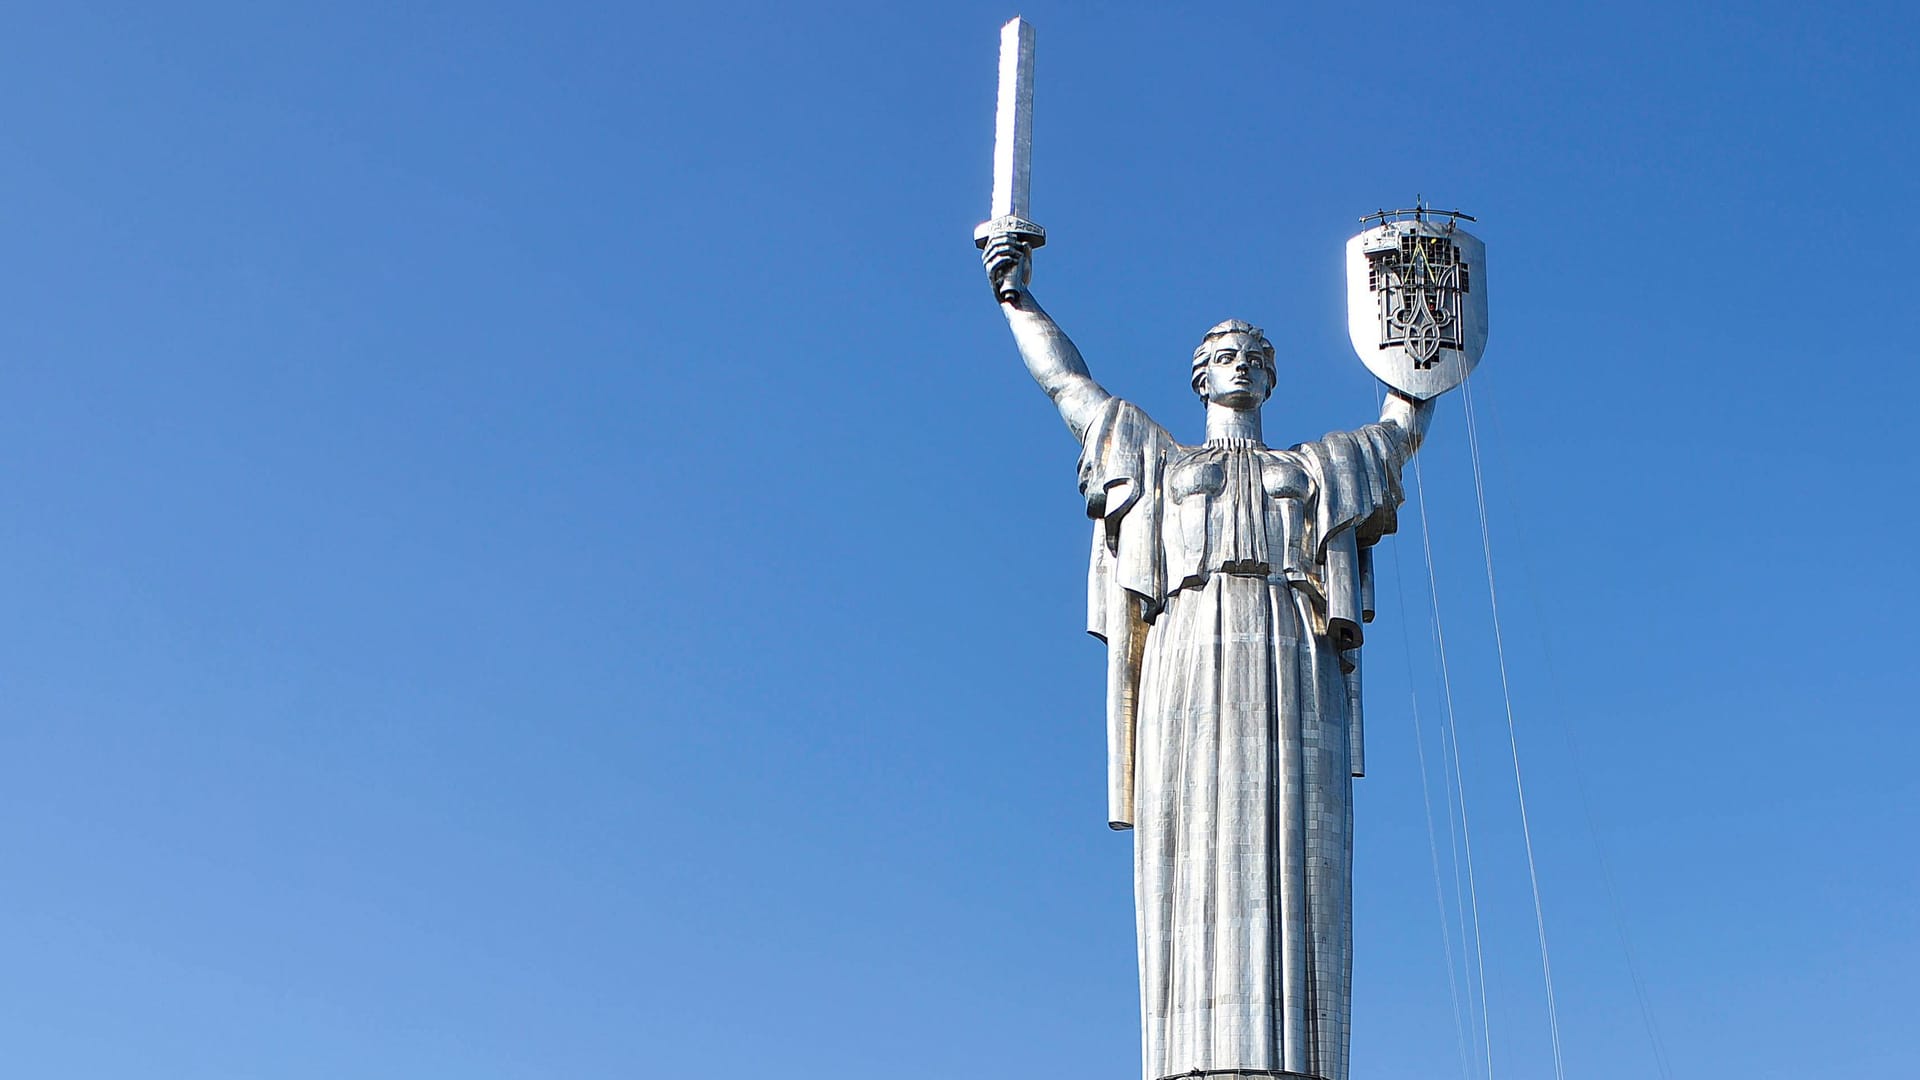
pixel 1358 491
pixel 1359 477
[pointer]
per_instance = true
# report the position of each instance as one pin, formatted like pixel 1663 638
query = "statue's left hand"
pixel 1410 415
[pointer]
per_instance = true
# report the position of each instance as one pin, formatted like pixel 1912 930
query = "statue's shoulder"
pixel 1123 446
pixel 1122 424
pixel 1368 432
pixel 1379 443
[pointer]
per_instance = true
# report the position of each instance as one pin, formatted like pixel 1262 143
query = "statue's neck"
pixel 1229 423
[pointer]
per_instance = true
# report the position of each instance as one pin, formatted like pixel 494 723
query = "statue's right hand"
pixel 1009 263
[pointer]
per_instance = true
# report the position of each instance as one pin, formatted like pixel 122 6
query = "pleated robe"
pixel 1244 723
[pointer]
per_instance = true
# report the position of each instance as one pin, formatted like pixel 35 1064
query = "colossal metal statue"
pixel 1231 582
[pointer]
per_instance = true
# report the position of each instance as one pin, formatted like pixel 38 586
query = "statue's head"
pixel 1234 366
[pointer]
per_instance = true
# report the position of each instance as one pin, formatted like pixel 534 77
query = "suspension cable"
pixel 1433 841
pixel 1656 1046
pixel 1452 732
pixel 1513 739
pixel 1461 1024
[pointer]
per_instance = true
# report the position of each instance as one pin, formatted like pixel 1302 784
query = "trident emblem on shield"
pixel 1417 299
pixel 1419 285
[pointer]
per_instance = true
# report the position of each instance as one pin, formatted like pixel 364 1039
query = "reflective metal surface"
pixel 1417 299
pixel 1232 583
pixel 1013 122
pixel 1013 150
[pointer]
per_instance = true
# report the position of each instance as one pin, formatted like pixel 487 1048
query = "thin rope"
pixel 1449 776
pixel 1575 752
pixel 1460 1023
pixel 1452 729
pixel 1433 840
pixel 1513 739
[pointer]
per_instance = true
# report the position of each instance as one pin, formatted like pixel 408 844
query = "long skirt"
pixel 1243 842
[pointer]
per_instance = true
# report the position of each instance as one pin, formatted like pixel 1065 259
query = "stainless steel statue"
pixel 1231 582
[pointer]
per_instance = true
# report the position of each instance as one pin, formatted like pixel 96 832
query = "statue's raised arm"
pixel 1410 416
pixel 1051 357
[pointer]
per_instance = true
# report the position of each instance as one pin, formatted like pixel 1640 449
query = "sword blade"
pixel 1013 122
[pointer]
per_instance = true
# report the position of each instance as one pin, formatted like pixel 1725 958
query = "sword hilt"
pixel 1019 228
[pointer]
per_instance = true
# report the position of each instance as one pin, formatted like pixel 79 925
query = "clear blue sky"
pixel 528 551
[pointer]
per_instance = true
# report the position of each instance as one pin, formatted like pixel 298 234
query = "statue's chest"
pixel 1233 509
pixel 1214 474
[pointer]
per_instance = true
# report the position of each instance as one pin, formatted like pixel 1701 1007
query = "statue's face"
pixel 1236 374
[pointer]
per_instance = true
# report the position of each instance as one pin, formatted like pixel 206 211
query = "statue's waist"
pixel 1240 568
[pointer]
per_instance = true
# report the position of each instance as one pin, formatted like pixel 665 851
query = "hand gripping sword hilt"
pixel 1018 228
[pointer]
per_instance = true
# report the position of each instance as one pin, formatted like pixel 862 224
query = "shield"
pixel 1417 300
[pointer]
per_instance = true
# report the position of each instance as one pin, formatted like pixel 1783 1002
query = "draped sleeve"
pixel 1356 501
pixel 1123 463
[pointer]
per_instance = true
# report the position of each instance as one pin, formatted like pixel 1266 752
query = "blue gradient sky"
pixel 528 551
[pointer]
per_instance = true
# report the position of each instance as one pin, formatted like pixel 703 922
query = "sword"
pixel 1013 149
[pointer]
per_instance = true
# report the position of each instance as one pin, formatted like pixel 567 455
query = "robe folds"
pixel 1231 583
